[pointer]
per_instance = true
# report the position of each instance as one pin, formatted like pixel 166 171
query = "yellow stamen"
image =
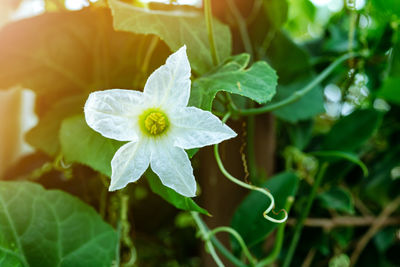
pixel 155 123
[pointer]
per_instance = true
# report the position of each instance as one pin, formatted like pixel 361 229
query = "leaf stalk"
pixel 210 31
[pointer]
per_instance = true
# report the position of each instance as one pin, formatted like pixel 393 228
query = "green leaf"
pixel 390 90
pixel 68 55
pixel 192 152
pixel 50 228
pixel 337 199
pixel 172 197
pixel 81 144
pixel 385 238
pixel 176 28
pixel 343 155
pixel 306 107
pixel 290 60
pixel 352 131
pixel 248 219
pixel 292 64
pixel 257 82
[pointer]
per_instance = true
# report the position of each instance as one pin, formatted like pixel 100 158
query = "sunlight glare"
pixel 28 8
pixel 76 4
pixel 196 3
pixel 332 5
pixel 321 3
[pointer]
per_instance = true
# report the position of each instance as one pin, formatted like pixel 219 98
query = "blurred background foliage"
pixel 340 141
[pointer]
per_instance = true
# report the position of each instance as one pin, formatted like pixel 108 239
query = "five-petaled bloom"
pixel 158 125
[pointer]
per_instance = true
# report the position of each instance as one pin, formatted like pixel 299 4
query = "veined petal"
pixel 112 113
pixel 194 127
pixel 169 85
pixel 173 166
pixel 128 164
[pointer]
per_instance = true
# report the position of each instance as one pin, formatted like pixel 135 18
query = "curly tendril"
pixel 249 186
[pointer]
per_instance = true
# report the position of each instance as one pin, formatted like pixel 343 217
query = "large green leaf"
pixel 81 144
pixel 248 219
pixel 176 28
pixel 70 52
pixel 353 130
pixel 258 82
pixel 50 228
pixel 68 55
pixel 172 197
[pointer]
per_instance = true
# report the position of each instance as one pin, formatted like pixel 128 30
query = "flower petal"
pixel 112 113
pixel 173 166
pixel 194 127
pixel 128 164
pixel 170 84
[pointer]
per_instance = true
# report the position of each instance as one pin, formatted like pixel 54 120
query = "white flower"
pixel 158 125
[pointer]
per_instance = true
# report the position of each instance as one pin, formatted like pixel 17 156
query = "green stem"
pixel 303 216
pixel 279 239
pixel 210 31
pixel 298 94
pixel 117 260
pixel 261 53
pixel 125 229
pixel 352 28
pixel 238 237
pixel 227 253
pixel 214 254
pixel 204 232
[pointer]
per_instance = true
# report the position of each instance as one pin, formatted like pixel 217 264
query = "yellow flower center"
pixel 154 122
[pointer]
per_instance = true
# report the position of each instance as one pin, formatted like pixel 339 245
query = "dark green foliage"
pixel 65 55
